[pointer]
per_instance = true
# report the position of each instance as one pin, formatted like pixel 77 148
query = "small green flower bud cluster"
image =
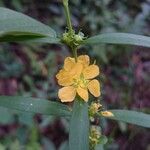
pixel 94 137
pixel 94 109
pixel 72 39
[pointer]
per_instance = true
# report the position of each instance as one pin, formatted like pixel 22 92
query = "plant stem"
pixel 75 54
pixel 71 31
pixel 67 13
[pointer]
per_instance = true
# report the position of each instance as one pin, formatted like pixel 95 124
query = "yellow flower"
pixel 76 77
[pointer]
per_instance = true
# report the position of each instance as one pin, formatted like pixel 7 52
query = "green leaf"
pixel 34 105
pixel 99 147
pixel 133 117
pixel 19 36
pixel 27 36
pixel 46 40
pixel 119 38
pixel 7 116
pixel 15 26
pixel 25 118
pixel 2 147
pixel 79 127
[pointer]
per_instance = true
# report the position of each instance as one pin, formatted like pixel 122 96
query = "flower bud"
pixel 107 114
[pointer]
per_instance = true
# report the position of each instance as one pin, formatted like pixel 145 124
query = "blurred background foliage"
pixel 29 70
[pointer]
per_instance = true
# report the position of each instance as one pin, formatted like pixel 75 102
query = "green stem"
pixel 67 13
pixel 75 54
pixel 71 31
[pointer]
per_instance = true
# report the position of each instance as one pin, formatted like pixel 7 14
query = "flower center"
pixel 80 82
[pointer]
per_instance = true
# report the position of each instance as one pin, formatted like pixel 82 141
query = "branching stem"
pixel 68 18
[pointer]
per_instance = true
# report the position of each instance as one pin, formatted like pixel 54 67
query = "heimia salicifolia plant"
pixel 77 78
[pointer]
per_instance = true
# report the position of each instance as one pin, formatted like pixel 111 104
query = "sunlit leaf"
pixel 2 147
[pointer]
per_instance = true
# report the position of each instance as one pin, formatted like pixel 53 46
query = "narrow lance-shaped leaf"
pixel 79 127
pixel 27 36
pixel 19 36
pixel 119 38
pixel 133 117
pixel 15 26
pixel 34 105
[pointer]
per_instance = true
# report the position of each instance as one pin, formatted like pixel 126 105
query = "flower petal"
pixel 83 93
pixel 69 63
pixel 67 94
pixel 84 59
pixel 61 73
pixel 76 70
pixel 94 88
pixel 64 78
pixel 65 81
pixel 72 67
pixel 91 72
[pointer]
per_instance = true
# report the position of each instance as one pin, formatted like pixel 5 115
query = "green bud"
pixel 73 40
